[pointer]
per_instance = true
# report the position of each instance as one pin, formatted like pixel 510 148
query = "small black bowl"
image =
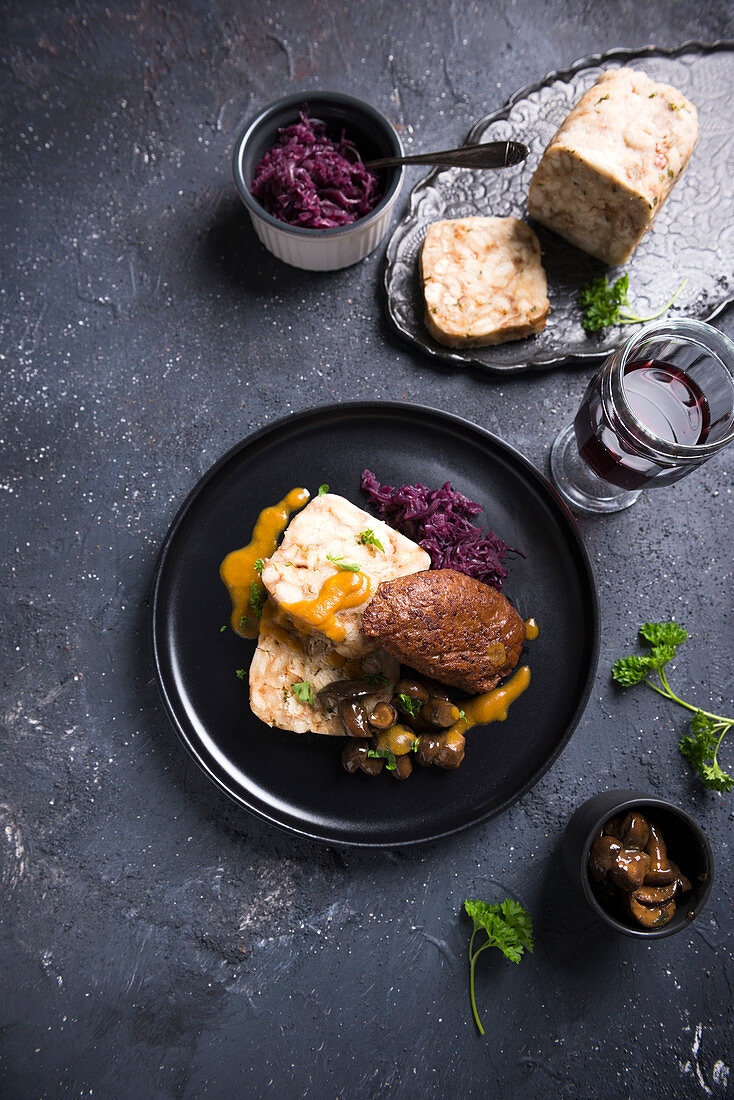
pixel 685 840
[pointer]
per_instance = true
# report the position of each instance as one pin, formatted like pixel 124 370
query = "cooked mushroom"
pixel 602 855
pixel 398 740
pixel 353 753
pixel 428 746
pixel 661 873
pixel 440 713
pixel 372 765
pixel 655 846
pixel 450 750
pixel 413 689
pixel 683 883
pixel 650 918
pixel 383 716
pixel 354 716
pixel 346 689
pixel 628 869
pixel 613 827
pixel 635 831
pixel 656 896
pixel 403 767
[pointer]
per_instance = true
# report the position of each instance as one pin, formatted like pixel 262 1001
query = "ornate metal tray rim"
pixel 617 53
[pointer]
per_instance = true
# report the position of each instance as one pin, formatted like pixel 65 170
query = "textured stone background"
pixel 156 940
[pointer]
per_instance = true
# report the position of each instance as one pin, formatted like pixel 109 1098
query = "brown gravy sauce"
pixel 338 592
pixel 492 706
pixel 238 568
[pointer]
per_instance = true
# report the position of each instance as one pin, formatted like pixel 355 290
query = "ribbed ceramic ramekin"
pixel 373 135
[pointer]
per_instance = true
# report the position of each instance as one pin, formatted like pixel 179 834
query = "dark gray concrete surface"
pixel 156 940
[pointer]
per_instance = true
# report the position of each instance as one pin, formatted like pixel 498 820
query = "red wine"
pixel 664 399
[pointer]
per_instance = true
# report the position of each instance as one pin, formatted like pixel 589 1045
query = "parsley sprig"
pixel 410 705
pixel 347 566
pixel 369 538
pixel 507 926
pixel 606 305
pixel 258 596
pixel 384 754
pixel 303 691
pixel 377 678
pixel 701 747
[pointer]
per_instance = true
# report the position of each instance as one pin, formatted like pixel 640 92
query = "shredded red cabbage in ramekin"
pixel 439 521
pixel 309 181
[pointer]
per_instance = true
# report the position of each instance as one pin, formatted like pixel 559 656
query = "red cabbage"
pixel 439 521
pixel 308 181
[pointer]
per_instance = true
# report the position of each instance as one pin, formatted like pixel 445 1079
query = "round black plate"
pixel 296 781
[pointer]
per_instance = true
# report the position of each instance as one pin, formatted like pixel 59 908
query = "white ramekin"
pixel 374 136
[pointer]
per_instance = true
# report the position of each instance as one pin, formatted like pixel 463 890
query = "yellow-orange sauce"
pixel 492 706
pixel 531 630
pixel 238 569
pixel 337 593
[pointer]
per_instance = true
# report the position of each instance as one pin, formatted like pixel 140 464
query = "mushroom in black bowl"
pixel 643 864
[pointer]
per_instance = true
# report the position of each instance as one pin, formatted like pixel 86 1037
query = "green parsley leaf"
pixel 222 629
pixel 606 305
pixel 507 926
pixel 258 596
pixel 409 705
pixel 701 752
pixel 368 538
pixel 701 746
pixel 259 566
pixel 323 489
pixel 375 678
pixel 303 691
pixel 630 670
pixel 347 566
pixel 384 754
pixel 663 633
pixel 416 744
pixel 660 655
pixel 240 673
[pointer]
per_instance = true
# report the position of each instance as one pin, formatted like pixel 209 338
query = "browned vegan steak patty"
pixel 448 626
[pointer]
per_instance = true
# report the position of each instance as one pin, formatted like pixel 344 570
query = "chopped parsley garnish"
pixel 257 598
pixel 303 691
pixel 222 629
pixel 347 566
pixel 323 489
pixel 240 673
pixel 386 755
pixel 259 566
pixel 416 744
pixel 606 305
pixel 409 705
pixel 375 678
pixel 708 730
pixel 368 538
pixel 508 926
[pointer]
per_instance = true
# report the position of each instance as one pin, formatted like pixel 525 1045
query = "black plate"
pixel 296 781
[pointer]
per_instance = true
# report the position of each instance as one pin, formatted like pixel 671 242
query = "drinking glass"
pixel 657 408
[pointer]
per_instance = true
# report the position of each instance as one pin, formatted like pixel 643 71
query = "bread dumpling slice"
pixel 483 281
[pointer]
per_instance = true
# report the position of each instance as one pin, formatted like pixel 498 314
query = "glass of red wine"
pixel 657 408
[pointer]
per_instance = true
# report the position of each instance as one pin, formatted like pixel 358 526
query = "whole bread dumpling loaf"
pixel 610 167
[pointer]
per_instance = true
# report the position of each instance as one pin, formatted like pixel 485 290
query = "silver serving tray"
pixel 692 237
